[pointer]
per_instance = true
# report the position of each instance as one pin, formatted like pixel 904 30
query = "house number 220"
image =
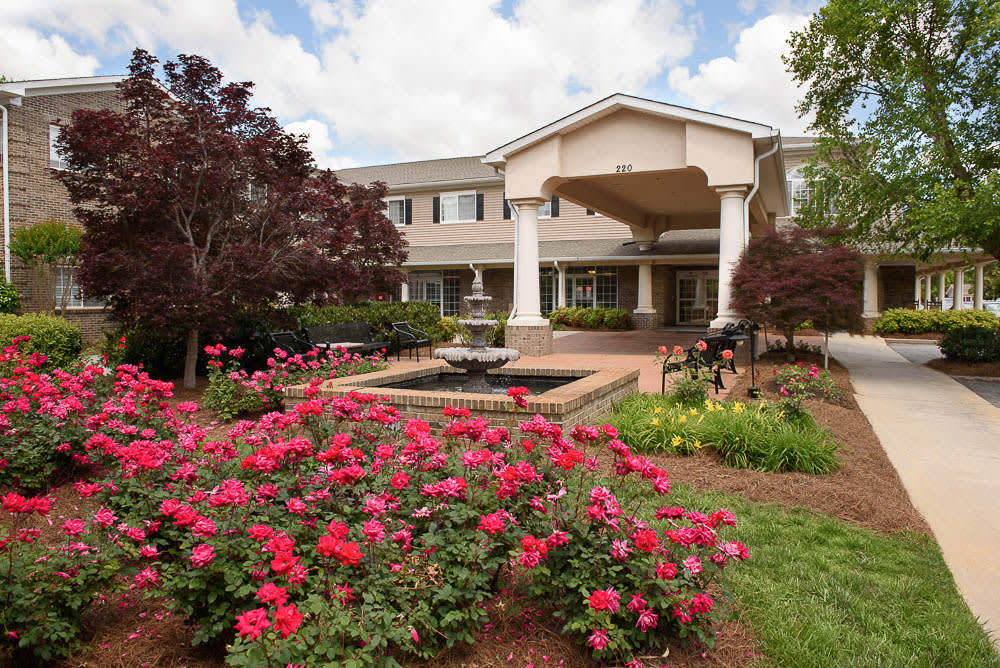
pixel 622 169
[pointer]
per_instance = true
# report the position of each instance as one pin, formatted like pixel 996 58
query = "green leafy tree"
pixel 48 247
pixel 907 109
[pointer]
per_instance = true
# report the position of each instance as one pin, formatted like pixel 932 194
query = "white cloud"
pixel 416 80
pixel 753 83
pixel 27 54
pixel 320 144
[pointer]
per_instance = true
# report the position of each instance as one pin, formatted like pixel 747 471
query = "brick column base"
pixel 529 340
pixel 644 320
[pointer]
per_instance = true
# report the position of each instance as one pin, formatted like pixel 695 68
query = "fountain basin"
pixel 584 397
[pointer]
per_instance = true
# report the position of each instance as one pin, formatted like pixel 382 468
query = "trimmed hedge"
pixel 56 337
pixel 909 321
pixel 591 318
pixel 972 344
pixel 379 315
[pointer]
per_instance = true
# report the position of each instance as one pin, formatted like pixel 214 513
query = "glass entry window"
pixel 596 287
pixel 436 287
pixel 697 296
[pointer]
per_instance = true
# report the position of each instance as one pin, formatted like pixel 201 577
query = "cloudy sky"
pixel 373 81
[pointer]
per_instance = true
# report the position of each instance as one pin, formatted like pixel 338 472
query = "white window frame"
pixel 457 194
pixel 76 299
pixel 548 206
pixel 396 199
pixel 56 161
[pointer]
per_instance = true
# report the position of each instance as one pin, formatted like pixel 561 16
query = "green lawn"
pixel 819 591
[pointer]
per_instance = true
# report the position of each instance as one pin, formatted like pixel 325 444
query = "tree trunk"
pixel 191 359
pixel 789 345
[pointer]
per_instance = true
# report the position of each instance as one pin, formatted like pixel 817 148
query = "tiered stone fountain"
pixel 477 358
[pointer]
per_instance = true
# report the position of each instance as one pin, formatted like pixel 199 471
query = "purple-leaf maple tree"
pixel 786 277
pixel 197 205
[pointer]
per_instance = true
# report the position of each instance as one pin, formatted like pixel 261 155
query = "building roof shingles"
pixel 421 171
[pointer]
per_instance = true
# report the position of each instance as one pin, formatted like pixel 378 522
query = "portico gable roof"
pixel 619 101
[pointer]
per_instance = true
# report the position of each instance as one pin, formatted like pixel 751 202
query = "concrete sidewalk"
pixel 944 441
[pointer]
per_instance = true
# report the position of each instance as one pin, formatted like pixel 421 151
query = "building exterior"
pixel 30 111
pixel 627 203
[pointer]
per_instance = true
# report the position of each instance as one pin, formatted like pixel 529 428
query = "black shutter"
pixel 555 206
pixel 506 207
pixel 408 214
pixel 590 212
pixel 480 202
pixel 437 209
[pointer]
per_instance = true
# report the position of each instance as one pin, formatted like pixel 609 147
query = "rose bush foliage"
pixel 338 534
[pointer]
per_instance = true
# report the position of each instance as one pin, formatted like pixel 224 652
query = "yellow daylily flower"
pixel 738 407
pixel 656 422
pixel 682 418
pixel 658 409
pixel 694 411
pixel 676 441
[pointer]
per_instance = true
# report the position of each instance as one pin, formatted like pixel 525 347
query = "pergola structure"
pixel 959 261
pixel 653 166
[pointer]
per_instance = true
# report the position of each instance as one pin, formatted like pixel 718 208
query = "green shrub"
pixel 159 351
pixel 448 329
pixel 591 318
pixel 10 298
pixel 617 318
pixel 754 436
pixel 910 321
pixel 379 315
pixel 972 344
pixel 56 337
pixel 497 337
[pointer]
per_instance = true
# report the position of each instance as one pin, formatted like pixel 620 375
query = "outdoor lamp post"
pixel 753 391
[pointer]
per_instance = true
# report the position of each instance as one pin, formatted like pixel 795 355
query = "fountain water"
pixel 477 358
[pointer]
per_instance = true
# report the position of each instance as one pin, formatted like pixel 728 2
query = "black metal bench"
pixel 698 360
pixel 288 342
pixel 324 336
pixel 409 337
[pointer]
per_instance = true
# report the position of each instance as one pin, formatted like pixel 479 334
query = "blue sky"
pixel 384 80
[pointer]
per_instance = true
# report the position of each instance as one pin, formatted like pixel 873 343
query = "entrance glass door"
pixel 581 290
pixel 697 296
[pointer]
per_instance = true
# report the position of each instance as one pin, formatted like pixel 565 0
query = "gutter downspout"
pixel 756 187
pixel 6 197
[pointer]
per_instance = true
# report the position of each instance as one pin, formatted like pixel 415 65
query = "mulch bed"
pixel 936 336
pixel 865 489
pixel 957 368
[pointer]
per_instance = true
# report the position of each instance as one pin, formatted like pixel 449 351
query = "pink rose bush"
pixel 338 532
pixel 233 391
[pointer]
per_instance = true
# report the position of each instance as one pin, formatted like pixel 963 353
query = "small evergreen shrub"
pixel 591 318
pixel 448 330
pixel 972 344
pixel 10 298
pixel 55 337
pixel 910 321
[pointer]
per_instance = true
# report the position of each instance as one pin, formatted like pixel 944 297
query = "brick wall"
pixel 499 284
pixel 35 196
pixel 628 287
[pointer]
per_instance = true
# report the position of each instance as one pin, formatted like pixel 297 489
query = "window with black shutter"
pixel 480 206
pixel 437 209
pixel 409 211
pixel 555 206
pixel 506 207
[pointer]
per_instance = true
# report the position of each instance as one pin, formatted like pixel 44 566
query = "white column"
pixel 927 291
pixel 957 301
pixel 561 287
pixel 404 290
pixel 916 292
pixel 645 301
pixel 870 293
pixel 529 310
pixel 730 249
pixel 977 294
pixel 941 288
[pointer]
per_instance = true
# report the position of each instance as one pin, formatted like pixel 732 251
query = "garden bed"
pixel 865 489
pixel 958 368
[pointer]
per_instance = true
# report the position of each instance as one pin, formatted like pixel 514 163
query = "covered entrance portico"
pixel 656 168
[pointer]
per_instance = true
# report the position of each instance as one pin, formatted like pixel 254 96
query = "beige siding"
pixel 572 223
